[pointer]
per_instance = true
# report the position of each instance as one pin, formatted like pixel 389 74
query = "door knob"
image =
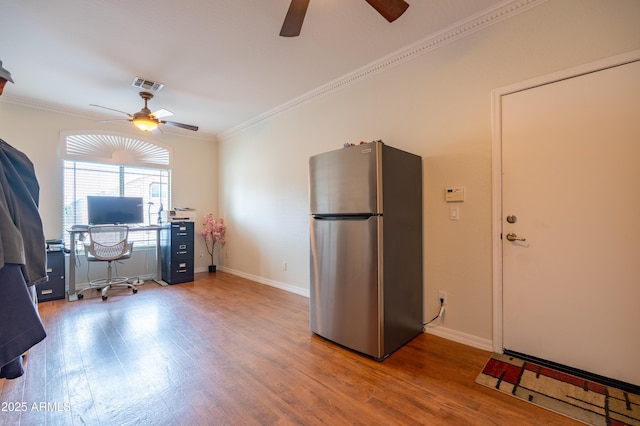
pixel 513 237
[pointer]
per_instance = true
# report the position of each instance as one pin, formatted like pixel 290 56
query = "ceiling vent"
pixel 148 85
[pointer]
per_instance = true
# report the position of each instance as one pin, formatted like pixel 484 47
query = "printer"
pixel 184 214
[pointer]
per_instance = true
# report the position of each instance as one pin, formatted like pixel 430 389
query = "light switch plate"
pixel 454 213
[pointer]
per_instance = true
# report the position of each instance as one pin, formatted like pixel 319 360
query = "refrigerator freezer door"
pixel 345 304
pixel 346 181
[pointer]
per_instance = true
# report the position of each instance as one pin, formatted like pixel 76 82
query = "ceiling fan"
pixel 389 9
pixel 146 120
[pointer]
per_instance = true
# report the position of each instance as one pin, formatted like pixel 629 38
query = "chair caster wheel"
pixel 105 297
pixel 135 290
pixel 80 296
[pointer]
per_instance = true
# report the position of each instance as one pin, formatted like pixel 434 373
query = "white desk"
pixel 72 256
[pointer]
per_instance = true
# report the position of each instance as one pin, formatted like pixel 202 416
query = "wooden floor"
pixel 224 350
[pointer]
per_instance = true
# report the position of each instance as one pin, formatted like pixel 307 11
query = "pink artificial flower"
pixel 213 231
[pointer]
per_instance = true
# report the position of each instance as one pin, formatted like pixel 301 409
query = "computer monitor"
pixel 104 210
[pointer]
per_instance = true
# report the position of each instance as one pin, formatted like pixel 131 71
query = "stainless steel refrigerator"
pixel 366 247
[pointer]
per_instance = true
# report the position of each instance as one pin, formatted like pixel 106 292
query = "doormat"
pixel 580 399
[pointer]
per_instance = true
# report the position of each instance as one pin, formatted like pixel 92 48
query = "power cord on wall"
pixel 440 315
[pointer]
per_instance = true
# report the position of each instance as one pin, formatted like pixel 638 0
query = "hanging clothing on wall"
pixel 23 260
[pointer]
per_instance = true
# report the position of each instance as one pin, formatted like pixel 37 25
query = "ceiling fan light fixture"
pixel 145 124
pixel 148 121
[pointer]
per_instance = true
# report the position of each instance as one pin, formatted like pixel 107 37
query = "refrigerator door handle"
pixel 363 216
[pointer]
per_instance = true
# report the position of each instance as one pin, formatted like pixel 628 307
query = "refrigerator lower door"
pixel 345 294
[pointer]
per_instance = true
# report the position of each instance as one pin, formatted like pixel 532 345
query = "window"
pixel 112 165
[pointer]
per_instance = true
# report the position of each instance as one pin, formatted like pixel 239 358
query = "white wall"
pixel 437 105
pixel 37 133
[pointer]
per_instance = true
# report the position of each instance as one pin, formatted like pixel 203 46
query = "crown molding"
pixel 463 28
pixel 59 109
pixel 45 106
pixel 468 26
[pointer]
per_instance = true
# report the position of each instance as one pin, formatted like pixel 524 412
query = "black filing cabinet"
pixel 177 252
pixel 54 288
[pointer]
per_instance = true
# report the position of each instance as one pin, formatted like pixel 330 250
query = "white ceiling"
pixel 222 61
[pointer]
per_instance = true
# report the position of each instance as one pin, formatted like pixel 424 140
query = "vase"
pixel 212 268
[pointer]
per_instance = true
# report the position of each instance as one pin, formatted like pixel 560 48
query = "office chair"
pixel 108 243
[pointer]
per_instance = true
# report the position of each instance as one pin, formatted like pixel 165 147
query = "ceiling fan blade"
pixel 390 9
pixel 115 120
pixel 111 109
pixel 181 125
pixel 294 19
pixel 161 113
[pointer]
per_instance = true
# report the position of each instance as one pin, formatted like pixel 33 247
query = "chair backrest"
pixel 108 242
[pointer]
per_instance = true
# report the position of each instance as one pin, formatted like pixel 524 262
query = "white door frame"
pixel 496 226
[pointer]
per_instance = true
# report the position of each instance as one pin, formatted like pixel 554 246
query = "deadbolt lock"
pixel 512 219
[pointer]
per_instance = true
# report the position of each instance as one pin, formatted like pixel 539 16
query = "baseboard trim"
pixel 277 284
pixel 446 333
pixel 460 337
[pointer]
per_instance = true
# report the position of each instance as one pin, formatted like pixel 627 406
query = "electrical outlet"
pixel 284 266
pixel 442 295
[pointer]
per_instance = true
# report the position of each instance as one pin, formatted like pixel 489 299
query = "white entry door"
pixel 571 222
